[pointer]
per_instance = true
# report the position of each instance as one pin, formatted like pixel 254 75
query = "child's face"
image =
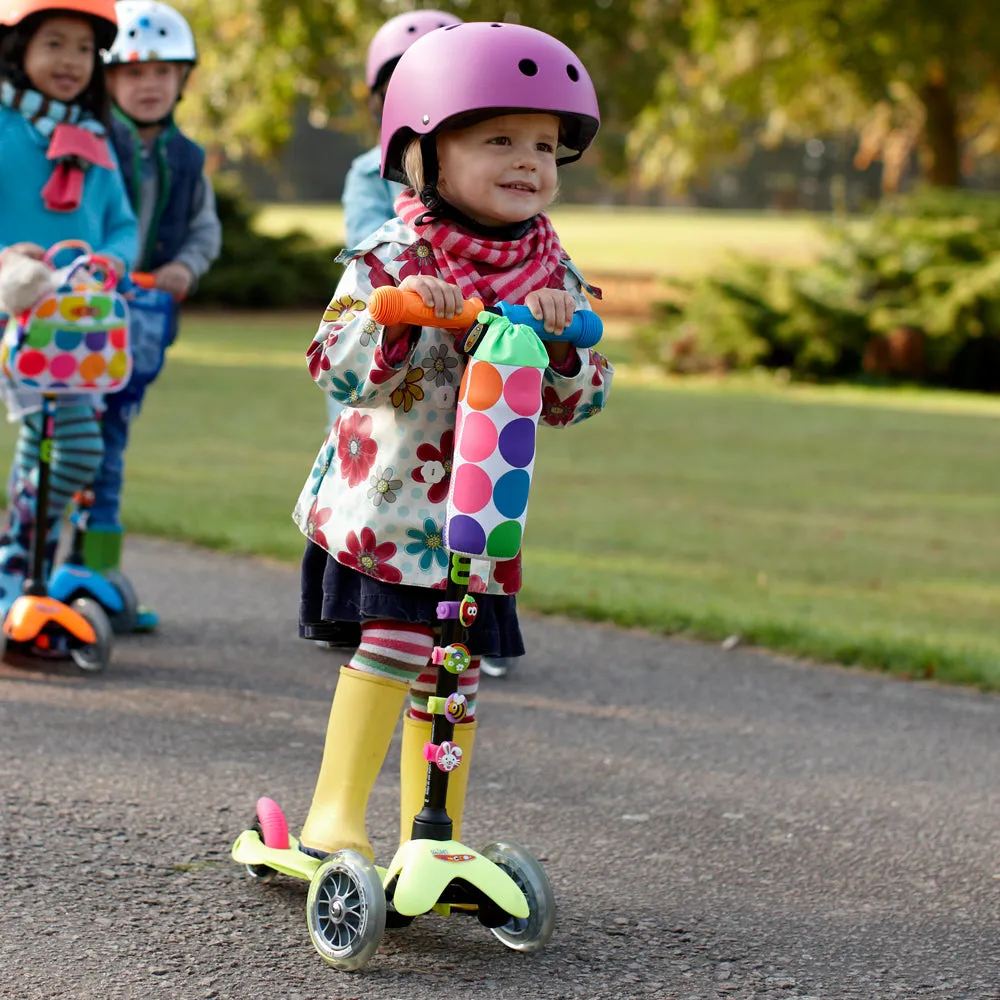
pixel 146 92
pixel 500 171
pixel 59 59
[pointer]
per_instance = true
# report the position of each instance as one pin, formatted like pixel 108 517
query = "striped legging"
pixel 402 652
pixel 76 456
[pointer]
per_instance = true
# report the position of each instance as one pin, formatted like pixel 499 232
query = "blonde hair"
pixel 413 165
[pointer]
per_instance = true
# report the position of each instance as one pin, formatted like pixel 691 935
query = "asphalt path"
pixel 715 824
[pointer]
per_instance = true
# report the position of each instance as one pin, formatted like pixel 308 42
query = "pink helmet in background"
pixel 451 76
pixel 397 35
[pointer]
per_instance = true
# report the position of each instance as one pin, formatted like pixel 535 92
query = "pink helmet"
pixel 453 75
pixel 397 35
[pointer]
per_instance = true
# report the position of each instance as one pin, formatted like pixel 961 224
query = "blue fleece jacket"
pixel 368 197
pixel 104 219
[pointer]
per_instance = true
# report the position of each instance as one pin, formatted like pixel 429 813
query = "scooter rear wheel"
pixel 345 910
pixel 533 933
pixel 123 622
pixel 96 656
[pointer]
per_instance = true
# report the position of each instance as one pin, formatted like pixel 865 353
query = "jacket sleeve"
pixel 569 398
pixel 347 358
pixel 204 239
pixel 121 230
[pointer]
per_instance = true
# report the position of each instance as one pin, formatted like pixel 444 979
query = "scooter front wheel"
pixel 97 655
pixel 534 932
pixel 345 910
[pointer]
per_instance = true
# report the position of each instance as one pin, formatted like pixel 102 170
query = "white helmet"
pixel 150 31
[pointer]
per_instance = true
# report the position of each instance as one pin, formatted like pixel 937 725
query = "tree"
pixel 259 58
pixel 907 75
pixel 683 83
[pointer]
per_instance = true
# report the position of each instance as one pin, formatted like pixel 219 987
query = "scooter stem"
pixel 35 585
pixel 433 821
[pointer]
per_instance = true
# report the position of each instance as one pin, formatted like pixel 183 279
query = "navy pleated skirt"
pixel 337 599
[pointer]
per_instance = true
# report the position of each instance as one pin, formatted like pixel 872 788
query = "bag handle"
pixel 94 262
pixel 57 248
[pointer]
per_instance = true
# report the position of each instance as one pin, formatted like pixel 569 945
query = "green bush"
pixel 256 271
pixel 914 291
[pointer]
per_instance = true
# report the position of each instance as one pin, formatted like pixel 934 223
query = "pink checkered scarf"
pixel 491 270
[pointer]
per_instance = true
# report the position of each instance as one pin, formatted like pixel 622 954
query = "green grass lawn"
pixel 602 240
pixel 844 524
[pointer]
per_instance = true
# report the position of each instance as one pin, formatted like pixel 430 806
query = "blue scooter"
pixel 153 321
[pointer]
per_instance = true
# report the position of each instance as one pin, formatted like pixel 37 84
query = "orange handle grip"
pixel 143 279
pixel 389 306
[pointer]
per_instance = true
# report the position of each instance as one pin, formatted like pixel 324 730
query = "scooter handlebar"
pixel 143 279
pixel 584 331
pixel 389 306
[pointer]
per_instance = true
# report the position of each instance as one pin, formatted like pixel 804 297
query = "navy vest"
pixel 180 163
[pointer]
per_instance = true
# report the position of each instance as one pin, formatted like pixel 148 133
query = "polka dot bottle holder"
pixel 76 339
pixel 499 403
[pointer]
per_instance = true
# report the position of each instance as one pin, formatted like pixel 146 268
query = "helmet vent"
pixel 528 67
pixel 573 73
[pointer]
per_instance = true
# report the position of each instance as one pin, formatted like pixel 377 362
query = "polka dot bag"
pixel 76 338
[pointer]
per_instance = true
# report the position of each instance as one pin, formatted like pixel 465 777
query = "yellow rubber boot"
pixel 413 774
pixel 362 721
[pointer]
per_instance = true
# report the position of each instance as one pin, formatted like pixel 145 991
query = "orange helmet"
pixel 100 12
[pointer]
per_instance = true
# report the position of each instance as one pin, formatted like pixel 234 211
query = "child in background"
pixel 477 118
pixel 369 199
pixel 58 181
pixel 179 231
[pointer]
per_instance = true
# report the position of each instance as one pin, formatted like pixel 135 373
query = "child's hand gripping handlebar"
pixel 147 282
pixel 389 305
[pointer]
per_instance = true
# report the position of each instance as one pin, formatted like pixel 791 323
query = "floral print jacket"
pixel 377 493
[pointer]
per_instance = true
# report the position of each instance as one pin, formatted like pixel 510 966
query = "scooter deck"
pixel 249 849
pixel 28 617
pixel 68 580
pixel 421 869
